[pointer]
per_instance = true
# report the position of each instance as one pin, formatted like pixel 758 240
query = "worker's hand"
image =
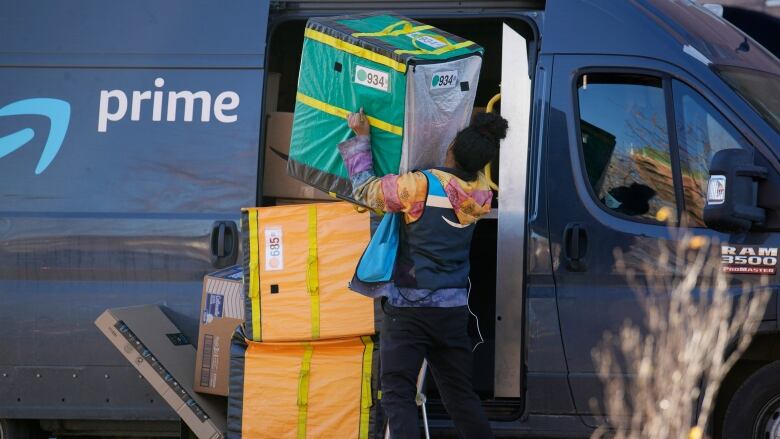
pixel 359 123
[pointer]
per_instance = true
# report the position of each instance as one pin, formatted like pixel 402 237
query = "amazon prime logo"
pixel 115 103
pixel 58 113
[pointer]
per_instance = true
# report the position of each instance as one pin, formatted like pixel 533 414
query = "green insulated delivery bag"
pixel 416 83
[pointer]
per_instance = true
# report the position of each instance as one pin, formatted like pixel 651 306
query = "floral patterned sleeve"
pixel 390 193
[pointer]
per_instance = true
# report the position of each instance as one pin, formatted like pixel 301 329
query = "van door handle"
pixel 575 246
pixel 224 243
pixel 221 240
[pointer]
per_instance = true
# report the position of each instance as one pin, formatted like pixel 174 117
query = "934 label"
pixel 372 78
pixel 428 40
pixel 274 249
pixel 446 79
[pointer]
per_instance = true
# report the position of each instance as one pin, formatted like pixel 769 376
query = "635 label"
pixel 274 249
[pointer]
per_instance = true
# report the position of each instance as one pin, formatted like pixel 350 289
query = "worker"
pixel 426 303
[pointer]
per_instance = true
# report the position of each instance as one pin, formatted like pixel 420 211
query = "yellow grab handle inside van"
pixel 488 173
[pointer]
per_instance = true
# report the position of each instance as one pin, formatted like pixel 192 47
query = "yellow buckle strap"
pixel 439 51
pixel 303 390
pixel 312 274
pixel 406 28
pixel 342 113
pixel 353 49
pixel 254 274
pixel 366 401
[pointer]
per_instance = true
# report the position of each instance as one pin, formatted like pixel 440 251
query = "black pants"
pixel 439 334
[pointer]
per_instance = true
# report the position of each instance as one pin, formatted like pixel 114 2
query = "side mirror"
pixel 732 192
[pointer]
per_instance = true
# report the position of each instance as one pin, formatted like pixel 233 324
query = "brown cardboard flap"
pixel 152 344
pixel 276 182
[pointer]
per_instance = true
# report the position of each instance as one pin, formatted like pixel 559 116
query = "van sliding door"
pixel 510 262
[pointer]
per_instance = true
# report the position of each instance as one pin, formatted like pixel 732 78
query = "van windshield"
pixel 761 90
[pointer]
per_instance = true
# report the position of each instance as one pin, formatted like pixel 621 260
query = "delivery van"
pixel 132 133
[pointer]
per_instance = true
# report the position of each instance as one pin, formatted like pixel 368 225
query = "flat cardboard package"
pixel 222 310
pixel 276 182
pixel 165 358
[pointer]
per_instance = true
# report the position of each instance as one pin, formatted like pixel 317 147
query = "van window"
pixel 701 132
pixel 625 144
pixel 761 90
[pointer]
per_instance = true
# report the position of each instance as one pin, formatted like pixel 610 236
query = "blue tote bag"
pixel 378 261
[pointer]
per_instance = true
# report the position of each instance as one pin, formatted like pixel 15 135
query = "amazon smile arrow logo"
pixel 58 112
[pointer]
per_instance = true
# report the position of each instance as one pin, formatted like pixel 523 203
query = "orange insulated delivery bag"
pixel 299 260
pixel 304 390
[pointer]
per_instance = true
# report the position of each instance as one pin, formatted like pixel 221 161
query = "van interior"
pixel 284 48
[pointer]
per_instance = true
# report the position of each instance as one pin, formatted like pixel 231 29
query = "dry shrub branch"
pixel 661 380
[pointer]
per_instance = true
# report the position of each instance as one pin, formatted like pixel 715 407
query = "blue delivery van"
pixel 131 134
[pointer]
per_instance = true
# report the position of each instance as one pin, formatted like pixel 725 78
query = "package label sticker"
pixel 372 78
pixel 205 364
pixel 428 40
pixel 716 189
pixel 446 79
pixel 215 304
pixel 178 339
pixel 274 249
pixel 748 259
pixel 231 273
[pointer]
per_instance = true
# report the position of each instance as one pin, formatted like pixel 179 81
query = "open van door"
pixel 510 261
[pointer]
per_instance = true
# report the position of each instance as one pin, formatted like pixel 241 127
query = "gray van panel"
pixel 122 214
pixel 102 30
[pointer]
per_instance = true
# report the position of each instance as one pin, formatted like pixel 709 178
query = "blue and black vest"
pixel 433 252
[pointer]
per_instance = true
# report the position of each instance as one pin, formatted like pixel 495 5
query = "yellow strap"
pixel 254 274
pixel 406 28
pixel 340 112
pixel 313 275
pixel 386 31
pixel 360 209
pixel 303 390
pixel 365 392
pixel 438 51
pixel 354 50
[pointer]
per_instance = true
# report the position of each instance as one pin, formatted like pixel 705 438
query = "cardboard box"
pixel 272 91
pixel 165 358
pixel 276 182
pixel 221 311
pixel 296 201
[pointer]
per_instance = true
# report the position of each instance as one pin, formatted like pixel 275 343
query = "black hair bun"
pixel 490 125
